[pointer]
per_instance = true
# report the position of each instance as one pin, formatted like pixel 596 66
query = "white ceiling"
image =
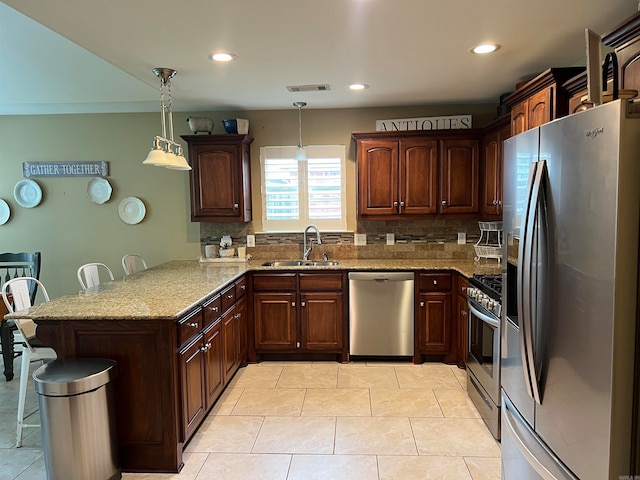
pixel 71 56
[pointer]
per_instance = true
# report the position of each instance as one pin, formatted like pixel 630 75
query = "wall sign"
pixel 65 169
pixel 451 122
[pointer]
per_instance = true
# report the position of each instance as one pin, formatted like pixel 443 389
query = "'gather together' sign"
pixel 65 169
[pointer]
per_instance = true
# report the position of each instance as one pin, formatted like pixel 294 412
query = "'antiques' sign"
pixel 65 169
pixel 451 122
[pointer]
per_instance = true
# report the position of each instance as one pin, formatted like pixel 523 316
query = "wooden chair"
pixel 14 265
pixel 19 288
pixel 89 274
pixel 131 263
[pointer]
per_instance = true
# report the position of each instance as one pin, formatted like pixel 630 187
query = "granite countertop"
pixel 170 290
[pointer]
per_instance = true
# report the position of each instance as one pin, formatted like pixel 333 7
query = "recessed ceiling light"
pixel 223 57
pixel 358 86
pixel 485 48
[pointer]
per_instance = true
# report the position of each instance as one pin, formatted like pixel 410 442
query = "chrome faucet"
pixel 307 250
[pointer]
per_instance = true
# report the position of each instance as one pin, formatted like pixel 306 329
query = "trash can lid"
pixel 72 376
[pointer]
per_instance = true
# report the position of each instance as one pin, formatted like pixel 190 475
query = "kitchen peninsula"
pixel 178 332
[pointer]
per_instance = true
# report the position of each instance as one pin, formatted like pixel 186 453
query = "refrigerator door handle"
pixel 536 210
pixel 543 462
pixel 523 289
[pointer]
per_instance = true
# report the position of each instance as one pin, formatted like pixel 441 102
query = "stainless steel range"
pixel 483 357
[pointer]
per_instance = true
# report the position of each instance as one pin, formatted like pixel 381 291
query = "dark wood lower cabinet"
pixel 192 372
pixel 298 315
pixel 434 330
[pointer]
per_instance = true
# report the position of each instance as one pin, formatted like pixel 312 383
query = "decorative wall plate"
pixel 5 212
pixel 27 193
pixel 99 190
pixel 131 210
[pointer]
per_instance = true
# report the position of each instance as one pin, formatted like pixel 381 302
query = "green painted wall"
pixel 70 230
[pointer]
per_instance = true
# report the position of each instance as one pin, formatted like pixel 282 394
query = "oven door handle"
pixel 492 322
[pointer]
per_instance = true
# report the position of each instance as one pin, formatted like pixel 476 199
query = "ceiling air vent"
pixel 320 87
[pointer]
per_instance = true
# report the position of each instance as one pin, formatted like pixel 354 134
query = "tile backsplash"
pixel 413 239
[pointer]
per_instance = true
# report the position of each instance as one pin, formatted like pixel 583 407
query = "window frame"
pixel 298 225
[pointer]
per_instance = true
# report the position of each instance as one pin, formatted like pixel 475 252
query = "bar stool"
pixel 131 263
pixel 19 289
pixel 91 274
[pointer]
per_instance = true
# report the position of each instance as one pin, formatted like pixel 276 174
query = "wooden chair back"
pixel 14 265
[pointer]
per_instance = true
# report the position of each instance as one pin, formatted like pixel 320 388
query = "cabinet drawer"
pixel 320 281
pixel 228 297
pixel 274 282
pixel 241 287
pixel 189 326
pixel 434 282
pixel 212 310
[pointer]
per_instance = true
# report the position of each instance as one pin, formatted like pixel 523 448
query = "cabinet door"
pixel 519 118
pixel 540 108
pixel 274 318
pixel 434 317
pixel 459 176
pixel 463 320
pixel 322 321
pixel 213 363
pixel 217 181
pixel 193 394
pixel 378 164
pixel 240 317
pixel 229 345
pixel 418 176
pixel 491 204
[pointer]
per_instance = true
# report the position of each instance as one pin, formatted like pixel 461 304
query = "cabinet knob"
pixel 435 282
pixel 464 289
pixel 297 344
pixel 444 202
pixel 402 204
pixel 303 304
pixel 230 296
pixel 422 304
pixel 395 204
pixel 235 205
pixel 243 287
pixel 193 324
pixel 237 315
pixel 293 304
pixel 495 202
pixel 214 309
pixel 463 313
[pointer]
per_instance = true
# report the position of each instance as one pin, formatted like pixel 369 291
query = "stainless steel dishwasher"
pixel 381 313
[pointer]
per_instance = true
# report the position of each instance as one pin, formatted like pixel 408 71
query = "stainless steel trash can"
pixel 76 398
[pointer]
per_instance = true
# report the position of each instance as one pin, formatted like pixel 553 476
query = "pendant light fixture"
pixel 164 151
pixel 301 154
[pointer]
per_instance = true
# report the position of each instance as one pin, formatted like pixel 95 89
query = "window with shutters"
pixel 295 194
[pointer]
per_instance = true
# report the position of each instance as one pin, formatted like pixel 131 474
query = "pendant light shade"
pixel 301 154
pixel 164 151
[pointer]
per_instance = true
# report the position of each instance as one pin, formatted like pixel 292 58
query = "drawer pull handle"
pixel 230 296
pixel 214 309
pixel 193 324
pixel 243 287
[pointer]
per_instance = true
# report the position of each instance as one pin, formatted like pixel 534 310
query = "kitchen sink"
pixel 300 263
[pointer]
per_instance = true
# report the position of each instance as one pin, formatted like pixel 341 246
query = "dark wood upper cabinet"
pixel 220 179
pixel 491 168
pixel 625 39
pixel 417 174
pixel 540 100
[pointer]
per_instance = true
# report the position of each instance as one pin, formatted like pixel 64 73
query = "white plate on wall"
pixel 131 210
pixel 99 190
pixel 27 193
pixel 5 212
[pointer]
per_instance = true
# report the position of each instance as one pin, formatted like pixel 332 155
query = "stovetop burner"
pixel 492 284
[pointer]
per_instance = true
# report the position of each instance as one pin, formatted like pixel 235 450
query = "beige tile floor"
pixel 316 420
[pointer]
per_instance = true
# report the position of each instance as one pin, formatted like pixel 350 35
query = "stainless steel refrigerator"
pixel 572 222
